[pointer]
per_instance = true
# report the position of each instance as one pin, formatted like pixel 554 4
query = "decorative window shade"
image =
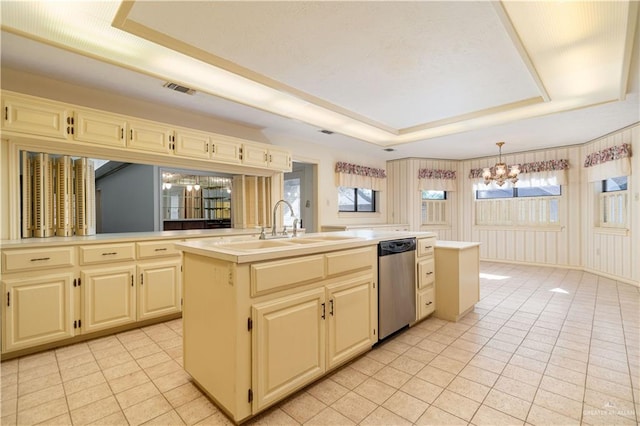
pixel 355 176
pixel 610 162
pixel 437 180
pixel 538 173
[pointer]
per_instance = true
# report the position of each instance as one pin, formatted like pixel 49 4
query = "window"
pixel 356 200
pixel 434 208
pixel 613 203
pixel 292 195
pixel 526 206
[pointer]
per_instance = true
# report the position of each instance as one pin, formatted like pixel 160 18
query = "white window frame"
pixel 437 212
pixel 520 212
pixel 613 209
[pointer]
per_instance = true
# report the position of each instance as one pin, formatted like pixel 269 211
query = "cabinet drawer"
pixel 426 246
pixel 150 249
pixel 20 260
pixel 350 260
pixel 272 276
pixel 426 302
pixel 106 253
pixel 426 273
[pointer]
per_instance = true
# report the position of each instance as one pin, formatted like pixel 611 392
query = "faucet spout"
pixel 275 208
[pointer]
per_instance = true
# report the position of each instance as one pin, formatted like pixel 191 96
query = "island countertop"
pixel 278 248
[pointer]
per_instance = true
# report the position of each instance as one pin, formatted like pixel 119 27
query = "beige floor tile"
pixel 8 405
pixel 445 363
pixel 121 370
pixel 568 363
pixel 9 391
pixel 42 396
pixel 392 376
pixel 480 331
pixel 431 345
pixel 128 381
pixel 469 389
pixel 61 420
pixel 474 338
pixel 42 412
pixel 327 391
pixel 436 416
pixel 302 406
pixel 621 378
pixel 501 345
pixel 397 347
pixel 95 411
pixel 182 394
pixel 456 404
pixel 146 351
pixel 169 418
pixel 162 369
pixel 382 416
pixel 609 403
pixel 479 375
pixel 382 355
pixel 420 355
pixel 113 350
pixel 216 419
pixel 367 365
pixel 76 361
pixel 136 394
pixel 88 396
pixel 275 417
pixel 114 360
pixel 516 388
pixel 407 364
pixel 172 380
pixel 148 409
pixel 79 370
pixel 610 388
pixel 489 416
pixel 466 345
pixel 435 375
pixel 353 406
pixel 115 419
pixel 135 344
pixel 563 388
pixel 194 411
pixel 558 403
pixel 39 383
pixel 406 406
pixel 84 382
pixel 596 416
pixel 522 374
pixel 37 372
pixel 409 337
pixel 608 363
pixel 528 363
pixel 328 416
pixel 541 416
pixel 422 389
pixel 508 404
pixel 566 375
pixel 37 360
pixel 375 390
pixel 349 377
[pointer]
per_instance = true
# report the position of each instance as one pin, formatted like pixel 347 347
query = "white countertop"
pixel 243 252
pixel 455 245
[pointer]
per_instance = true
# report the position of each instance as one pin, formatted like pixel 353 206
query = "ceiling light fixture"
pixel 499 172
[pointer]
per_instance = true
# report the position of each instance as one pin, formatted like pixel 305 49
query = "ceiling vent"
pixel 389 149
pixel 179 88
pixel 326 132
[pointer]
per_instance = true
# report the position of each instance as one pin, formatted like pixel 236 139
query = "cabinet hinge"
pixel 250 396
pixel 8 299
pixel 373 284
pixel 249 324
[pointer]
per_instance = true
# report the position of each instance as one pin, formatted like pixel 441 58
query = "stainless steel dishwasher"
pixel 396 285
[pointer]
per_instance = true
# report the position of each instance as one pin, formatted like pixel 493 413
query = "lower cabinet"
pixel 298 338
pixel 426 302
pixel 159 290
pixel 109 297
pixel 37 310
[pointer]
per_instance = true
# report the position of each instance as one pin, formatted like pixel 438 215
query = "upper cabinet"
pixel 34 116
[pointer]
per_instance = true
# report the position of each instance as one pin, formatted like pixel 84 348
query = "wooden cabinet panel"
pixel 35 117
pixel 267 277
pixel 349 314
pixel 253 155
pixel 109 297
pixel 426 273
pixel 30 259
pixel 279 160
pixel 288 345
pixel 350 260
pixel 226 150
pixel 37 310
pixel 426 246
pixel 151 249
pixel 148 136
pixel 102 253
pixel 192 144
pixel 159 291
pixel 426 302
pixel 98 127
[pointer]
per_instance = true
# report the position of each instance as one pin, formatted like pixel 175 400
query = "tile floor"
pixel 543 346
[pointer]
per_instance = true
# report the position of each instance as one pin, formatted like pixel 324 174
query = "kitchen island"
pixel 264 318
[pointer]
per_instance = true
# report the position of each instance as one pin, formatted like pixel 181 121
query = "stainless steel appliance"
pixel 396 285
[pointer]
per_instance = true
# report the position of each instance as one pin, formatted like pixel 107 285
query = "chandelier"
pixel 501 172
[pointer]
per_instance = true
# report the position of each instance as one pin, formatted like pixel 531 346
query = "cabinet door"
pixel 192 144
pixel 280 160
pixel 158 289
pixel 349 314
pixel 225 150
pixel 35 117
pixel 101 128
pixel 288 345
pixel 426 302
pixel 37 310
pixel 254 155
pixel 108 297
pixel 149 136
pixel 426 273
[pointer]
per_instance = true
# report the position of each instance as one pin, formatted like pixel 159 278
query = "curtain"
pixel 608 163
pixel 538 173
pixel 355 176
pixel 437 180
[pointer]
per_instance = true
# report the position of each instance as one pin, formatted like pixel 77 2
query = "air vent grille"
pixel 179 88
pixel 326 132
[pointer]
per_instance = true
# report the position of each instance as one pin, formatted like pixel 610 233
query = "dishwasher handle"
pixel 386 248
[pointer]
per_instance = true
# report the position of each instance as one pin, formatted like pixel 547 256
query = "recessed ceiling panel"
pixel 391 62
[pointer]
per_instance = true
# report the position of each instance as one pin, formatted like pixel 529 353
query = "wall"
pixel 126 207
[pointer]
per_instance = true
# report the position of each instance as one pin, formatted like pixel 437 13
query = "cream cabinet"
pixel 37 310
pixel 149 136
pixel 99 127
pixel 226 149
pixel 288 345
pixel 192 144
pixel 425 278
pixel 159 290
pixel 109 297
pixel 35 116
pixel 279 159
pixel 261 156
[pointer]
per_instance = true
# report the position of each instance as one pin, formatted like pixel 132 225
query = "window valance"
pixel 607 163
pixel 437 180
pixel 356 176
pixel 537 173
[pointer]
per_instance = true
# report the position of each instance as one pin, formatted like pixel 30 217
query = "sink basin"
pixel 254 245
pixel 304 240
pixel 331 238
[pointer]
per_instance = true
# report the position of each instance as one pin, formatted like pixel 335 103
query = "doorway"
pixel 300 191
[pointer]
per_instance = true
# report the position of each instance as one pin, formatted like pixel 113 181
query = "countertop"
pixel 455 245
pixel 243 252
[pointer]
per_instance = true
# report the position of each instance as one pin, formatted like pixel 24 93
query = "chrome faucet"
pixel 273 229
